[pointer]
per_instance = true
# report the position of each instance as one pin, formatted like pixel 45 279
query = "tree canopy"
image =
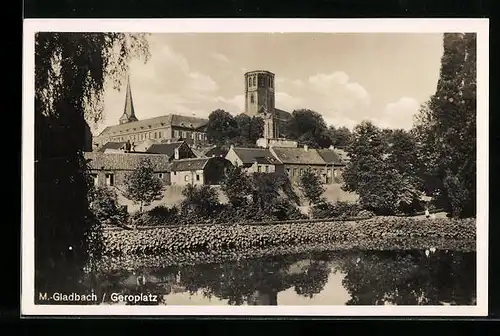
pixel 142 185
pixel 308 128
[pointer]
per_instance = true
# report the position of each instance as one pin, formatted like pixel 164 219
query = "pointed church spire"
pixel 128 110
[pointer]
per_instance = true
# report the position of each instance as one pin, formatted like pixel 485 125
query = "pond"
pixel 412 277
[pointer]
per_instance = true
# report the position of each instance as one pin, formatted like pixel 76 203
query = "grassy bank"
pixel 209 238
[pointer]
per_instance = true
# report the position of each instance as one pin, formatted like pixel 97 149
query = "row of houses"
pixel 178 163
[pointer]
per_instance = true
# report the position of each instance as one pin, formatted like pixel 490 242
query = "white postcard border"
pixel 31 26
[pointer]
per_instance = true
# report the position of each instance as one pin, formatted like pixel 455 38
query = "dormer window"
pixel 252 100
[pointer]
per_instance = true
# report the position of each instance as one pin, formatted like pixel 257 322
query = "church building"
pixel 165 128
pixel 260 101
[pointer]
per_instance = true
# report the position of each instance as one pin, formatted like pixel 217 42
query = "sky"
pixel 348 78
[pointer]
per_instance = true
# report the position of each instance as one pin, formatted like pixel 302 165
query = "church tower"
pixel 128 111
pixel 259 100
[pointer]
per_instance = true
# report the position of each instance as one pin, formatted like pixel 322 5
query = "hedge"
pixel 216 237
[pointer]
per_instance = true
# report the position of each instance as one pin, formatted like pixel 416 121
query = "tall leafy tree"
pixel 221 128
pixel 446 127
pixel 142 186
pixel 309 128
pixel 341 137
pixel 311 186
pixel 71 70
pixel 249 130
pixel 238 187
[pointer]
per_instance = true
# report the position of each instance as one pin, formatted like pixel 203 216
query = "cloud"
pixel 287 102
pixel 219 57
pixel 236 104
pixel 398 114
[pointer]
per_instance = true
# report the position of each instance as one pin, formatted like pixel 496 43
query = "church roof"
pixel 128 110
pixel 282 114
pixel 292 155
pixel 259 155
pixel 125 161
pixel 156 122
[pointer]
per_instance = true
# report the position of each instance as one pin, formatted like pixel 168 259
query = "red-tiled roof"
pixel 125 161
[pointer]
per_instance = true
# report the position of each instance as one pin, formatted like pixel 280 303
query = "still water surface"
pixel 318 278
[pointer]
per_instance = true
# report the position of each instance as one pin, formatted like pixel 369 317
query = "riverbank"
pixel 360 234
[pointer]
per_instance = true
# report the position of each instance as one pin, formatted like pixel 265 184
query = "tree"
pixel 446 128
pixel 200 202
pixel 105 207
pixel 309 128
pixel 249 129
pixel 341 137
pixel 71 70
pixel 310 184
pixel 237 186
pixel 222 128
pixel 374 171
pixel 142 185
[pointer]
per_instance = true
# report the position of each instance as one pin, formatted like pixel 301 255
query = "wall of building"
pixel 117 178
pixel 261 168
pixel 183 178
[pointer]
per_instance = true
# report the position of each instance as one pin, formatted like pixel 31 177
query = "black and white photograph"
pixel 255 167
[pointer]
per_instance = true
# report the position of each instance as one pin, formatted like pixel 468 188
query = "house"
pixel 334 164
pixel 173 150
pixel 114 147
pixel 199 171
pixel 254 160
pixel 111 169
pixel 297 160
pixel 210 151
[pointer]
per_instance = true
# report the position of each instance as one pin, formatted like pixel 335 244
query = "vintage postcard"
pixel 255 167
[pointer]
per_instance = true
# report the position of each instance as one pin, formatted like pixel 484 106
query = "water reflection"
pixel 328 278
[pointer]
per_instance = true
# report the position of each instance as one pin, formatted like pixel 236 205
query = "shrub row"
pixel 243 237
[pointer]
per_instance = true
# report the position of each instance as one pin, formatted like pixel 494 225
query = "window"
pixel 183 134
pixel 193 136
pixel 197 177
pixel 156 135
pixel 200 136
pixel 110 180
pixel 335 173
pixel 159 134
pixel 294 172
pixel 186 178
pixel 96 181
pixel 258 169
pixel 176 134
pixel 249 81
pixel 301 172
pixel 328 172
pixel 288 171
pixel 254 81
pixel 175 173
pixel 160 175
pixel 267 169
pixel 252 99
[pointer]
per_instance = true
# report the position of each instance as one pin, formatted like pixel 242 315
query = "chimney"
pixel 176 154
pixel 306 148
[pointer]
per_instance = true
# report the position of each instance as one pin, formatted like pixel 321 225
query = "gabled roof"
pixel 259 155
pixel 292 155
pixel 330 156
pixel 112 145
pixel 342 154
pixel 156 122
pixel 282 114
pixel 189 164
pixel 164 148
pixel 125 161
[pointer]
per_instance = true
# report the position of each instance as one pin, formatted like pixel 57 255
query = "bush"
pixel 366 214
pixel 160 215
pixel 105 207
pixel 339 209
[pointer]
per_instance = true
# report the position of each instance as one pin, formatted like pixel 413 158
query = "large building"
pixel 260 101
pixel 162 128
